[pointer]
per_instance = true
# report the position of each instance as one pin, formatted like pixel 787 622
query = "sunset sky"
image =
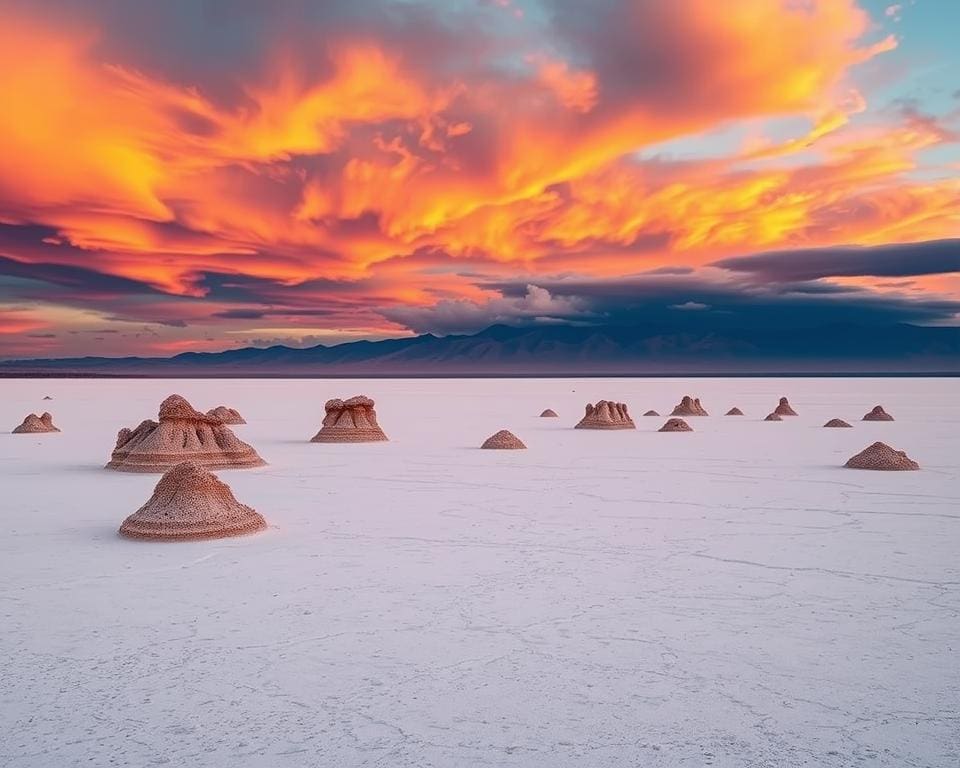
pixel 187 175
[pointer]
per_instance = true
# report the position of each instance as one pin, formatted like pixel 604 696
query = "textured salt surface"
pixel 227 415
pixel 732 598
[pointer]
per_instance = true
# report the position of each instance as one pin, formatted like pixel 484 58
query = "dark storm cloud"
pixel 78 279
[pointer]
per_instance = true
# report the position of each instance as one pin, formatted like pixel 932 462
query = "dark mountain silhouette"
pixel 557 349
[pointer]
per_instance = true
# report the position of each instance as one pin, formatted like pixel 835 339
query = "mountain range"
pixel 559 350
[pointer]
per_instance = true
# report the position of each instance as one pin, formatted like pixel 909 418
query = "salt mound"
pixel 675 425
pixel 836 423
pixel 182 434
pixel 784 409
pixel 773 417
pixel 689 406
pixel 47 397
pixel 881 456
pixel 606 414
pixel 651 413
pixel 191 503
pixel 34 424
pixel 549 413
pixel 878 414
pixel 350 421
pixel 734 412
pixel 226 415
pixel 503 440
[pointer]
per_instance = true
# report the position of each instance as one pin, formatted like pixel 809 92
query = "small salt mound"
pixel 191 503
pixel 773 417
pixel 882 457
pixel 226 415
pixel 877 414
pixel 734 412
pixel 689 406
pixel 350 421
pixel 675 425
pixel 503 440
pixel 34 424
pixel 651 413
pixel 548 414
pixel 606 414
pixel 837 423
pixel 47 397
pixel 784 409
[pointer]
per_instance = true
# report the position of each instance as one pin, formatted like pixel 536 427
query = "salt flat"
pixel 728 597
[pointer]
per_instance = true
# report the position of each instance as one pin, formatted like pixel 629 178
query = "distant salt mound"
pixel 34 424
pixel 549 414
pixel 350 421
pixel 877 414
pixel 837 423
pixel 882 457
pixel 182 434
pixel 47 397
pixel 783 408
pixel 503 440
pixel 191 503
pixel 606 414
pixel 689 406
pixel 675 425
pixel 734 412
pixel 773 417
pixel 226 415
pixel 651 413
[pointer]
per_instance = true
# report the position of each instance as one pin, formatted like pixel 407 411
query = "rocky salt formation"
pixel 226 415
pixel 606 414
pixel 734 412
pixel 503 440
pixel 33 425
pixel 773 417
pixel 881 456
pixel 675 425
pixel 877 414
pixel 689 406
pixel 651 413
pixel 191 503
pixel 549 414
pixel 350 421
pixel 783 408
pixel 182 434
pixel 837 423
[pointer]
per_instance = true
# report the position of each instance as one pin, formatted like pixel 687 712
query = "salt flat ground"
pixel 730 597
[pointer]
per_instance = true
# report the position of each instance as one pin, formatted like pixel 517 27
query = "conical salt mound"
pixel 350 421
pixel 734 412
pixel 47 397
pixel 783 408
pixel 881 456
pixel 191 503
pixel 226 415
pixel 549 414
pixel 182 434
pixel 651 413
pixel 773 417
pixel 689 406
pixel 877 414
pixel 838 423
pixel 503 440
pixel 606 414
pixel 675 425
pixel 34 424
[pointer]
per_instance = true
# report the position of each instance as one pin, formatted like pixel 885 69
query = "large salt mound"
pixel 689 406
pixel 773 417
pixel 182 434
pixel 503 440
pixel 784 409
pixel 606 414
pixel 226 415
pixel 675 425
pixel 34 424
pixel 877 414
pixel 839 423
pixel 548 414
pixel 350 421
pixel 881 456
pixel 191 503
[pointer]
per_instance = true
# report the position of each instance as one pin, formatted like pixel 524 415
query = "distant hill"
pixel 558 350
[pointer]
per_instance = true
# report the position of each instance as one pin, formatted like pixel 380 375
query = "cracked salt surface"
pixel 726 597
